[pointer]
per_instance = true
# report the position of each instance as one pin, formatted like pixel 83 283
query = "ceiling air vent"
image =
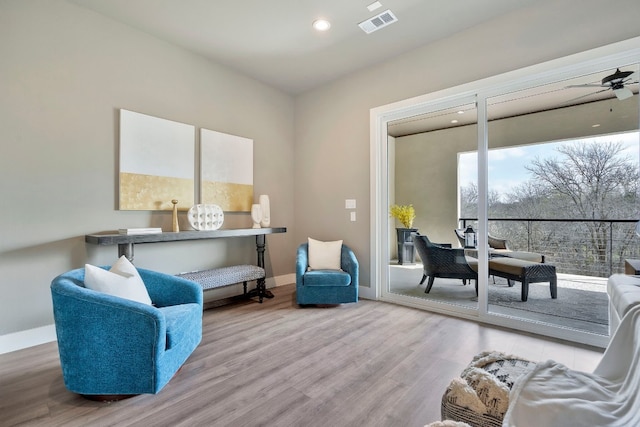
pixel 379 21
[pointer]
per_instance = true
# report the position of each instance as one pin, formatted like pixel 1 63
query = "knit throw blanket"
pixel 554 395
pixel 480 397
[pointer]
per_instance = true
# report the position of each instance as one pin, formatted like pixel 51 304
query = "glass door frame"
pixel 591 61
pixel 385 292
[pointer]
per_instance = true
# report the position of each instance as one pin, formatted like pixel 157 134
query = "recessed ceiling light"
pixel 460 112
pixel 373 6
pixel 454 121
pixel 597 125
pixel 321 24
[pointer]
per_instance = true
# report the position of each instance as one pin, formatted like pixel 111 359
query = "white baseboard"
pixel 367 292
pixel 44 334
pixel 29 338
pixel 285 279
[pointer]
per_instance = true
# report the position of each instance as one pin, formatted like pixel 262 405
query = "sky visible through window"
pixel 507 165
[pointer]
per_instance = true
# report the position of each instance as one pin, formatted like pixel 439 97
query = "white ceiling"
pixel 550 96
pixel 273 41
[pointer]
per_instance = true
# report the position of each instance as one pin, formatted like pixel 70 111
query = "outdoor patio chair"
pixel 444 262
pixel 494 242
pixel 500 248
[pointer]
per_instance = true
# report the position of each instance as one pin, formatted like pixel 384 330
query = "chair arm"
pixel 459 256
pixel 165 289
pixel 450 259
pixel 349 263
pixel 92 325
pixel 497 243
pixel 302 261
pixel 444 245
pixel 446 255
pixel 457 252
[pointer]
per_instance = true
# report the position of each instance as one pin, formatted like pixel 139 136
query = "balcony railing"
pixel 575 246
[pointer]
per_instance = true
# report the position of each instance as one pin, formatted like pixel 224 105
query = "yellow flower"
pixel 403 213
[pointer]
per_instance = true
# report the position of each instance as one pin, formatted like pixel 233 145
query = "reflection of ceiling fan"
pixel 616 82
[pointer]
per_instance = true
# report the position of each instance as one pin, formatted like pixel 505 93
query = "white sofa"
pixel 624 294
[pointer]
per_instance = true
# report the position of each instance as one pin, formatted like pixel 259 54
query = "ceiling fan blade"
pixel 623 93
pixel 584 85
pixel 631 79
pixel 585 96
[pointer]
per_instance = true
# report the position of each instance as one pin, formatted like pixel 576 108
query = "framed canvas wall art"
pixel 157 163
pixel 226 171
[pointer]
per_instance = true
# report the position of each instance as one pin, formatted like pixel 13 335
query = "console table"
pixel 126 242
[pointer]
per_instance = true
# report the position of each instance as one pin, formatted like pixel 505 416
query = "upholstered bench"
pixel 524 272
pixel 480 397
pixel 226 276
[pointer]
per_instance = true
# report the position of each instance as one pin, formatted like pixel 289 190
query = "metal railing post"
pixel 610 248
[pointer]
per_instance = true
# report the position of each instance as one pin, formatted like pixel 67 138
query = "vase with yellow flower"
pixel 405 214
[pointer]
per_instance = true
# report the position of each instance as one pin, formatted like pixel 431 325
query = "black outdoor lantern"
pixel 470 239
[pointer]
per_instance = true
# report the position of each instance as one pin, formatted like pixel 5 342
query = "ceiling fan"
pixel 615 82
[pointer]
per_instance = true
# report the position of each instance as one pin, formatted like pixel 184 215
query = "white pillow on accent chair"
pixel 122 280
pixel 324 255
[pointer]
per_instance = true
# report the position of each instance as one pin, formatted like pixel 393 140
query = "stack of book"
pixel 132 231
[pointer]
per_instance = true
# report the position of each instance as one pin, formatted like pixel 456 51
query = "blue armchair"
pixel 326 286
pixel 111 347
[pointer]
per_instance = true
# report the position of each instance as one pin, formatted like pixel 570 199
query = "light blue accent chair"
pixel 114 347
pixel 327 286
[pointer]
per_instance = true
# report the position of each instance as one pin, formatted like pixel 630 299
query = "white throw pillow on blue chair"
pixel 121 280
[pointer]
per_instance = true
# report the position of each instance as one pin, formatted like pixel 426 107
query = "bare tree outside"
pixel 593 181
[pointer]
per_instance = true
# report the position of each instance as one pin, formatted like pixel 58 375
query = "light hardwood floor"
pixel 275 364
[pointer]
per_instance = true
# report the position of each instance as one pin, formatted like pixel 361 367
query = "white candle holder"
pixel 256 215
pixel 266 211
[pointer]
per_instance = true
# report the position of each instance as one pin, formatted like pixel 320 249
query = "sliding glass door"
pixel 541 167
pixel 431 269
pixel 563 191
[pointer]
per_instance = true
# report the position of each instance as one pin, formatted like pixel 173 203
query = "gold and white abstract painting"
pixel 157 162
pixel 226 171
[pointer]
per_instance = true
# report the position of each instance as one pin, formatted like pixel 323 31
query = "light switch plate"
pixel 350 204
pixel 353 215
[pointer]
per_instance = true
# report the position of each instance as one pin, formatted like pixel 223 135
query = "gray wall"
pixel 64 74
pixel 427 177
pixel 65 71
